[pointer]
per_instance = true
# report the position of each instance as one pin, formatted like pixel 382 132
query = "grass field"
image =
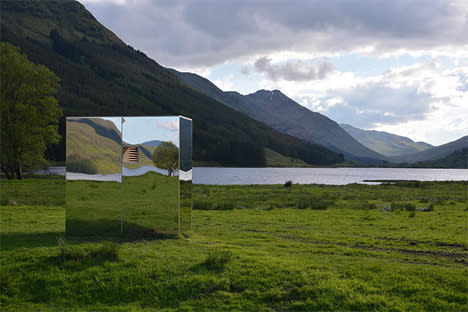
pixel 400 247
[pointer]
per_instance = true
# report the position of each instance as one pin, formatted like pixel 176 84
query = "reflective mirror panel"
pixel 93 188
pixel 151 184
pixel 185 174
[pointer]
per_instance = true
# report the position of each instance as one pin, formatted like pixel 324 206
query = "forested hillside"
pixel 102 76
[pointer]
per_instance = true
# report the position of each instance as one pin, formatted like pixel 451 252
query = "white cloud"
pixel 172 125
pixel 294 70
pixel 225 83
pixel 424 101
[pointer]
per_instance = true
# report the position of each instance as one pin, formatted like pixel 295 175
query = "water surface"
pixel 333 176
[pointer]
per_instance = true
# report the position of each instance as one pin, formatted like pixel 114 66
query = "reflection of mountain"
pixel 93 146
pixel 153 143
pixel 105 128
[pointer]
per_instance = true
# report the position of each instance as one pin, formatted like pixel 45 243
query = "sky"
pixel 399 66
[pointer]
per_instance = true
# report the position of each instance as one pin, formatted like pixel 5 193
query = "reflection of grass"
pixel 351 257
pixel 93 208
pixel 148 207
pixel 151 202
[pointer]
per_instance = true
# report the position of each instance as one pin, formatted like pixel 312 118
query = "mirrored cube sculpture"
pixel 185 174
pixel 128 175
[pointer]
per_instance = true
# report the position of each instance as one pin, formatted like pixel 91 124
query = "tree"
pixel 29 111
pixel 166 156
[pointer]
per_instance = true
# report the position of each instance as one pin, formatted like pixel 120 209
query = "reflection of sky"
pixel 137 130
pixel 115 120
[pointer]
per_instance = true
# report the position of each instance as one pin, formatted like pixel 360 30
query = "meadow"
pixel 389 247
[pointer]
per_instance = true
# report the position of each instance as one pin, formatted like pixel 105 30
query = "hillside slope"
pixel 435 152
pixel 101 76
pixel 457 159
pixel 385 143
pixel 207 87
pixel 285 115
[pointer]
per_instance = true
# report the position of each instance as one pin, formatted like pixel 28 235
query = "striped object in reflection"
pixel 130 154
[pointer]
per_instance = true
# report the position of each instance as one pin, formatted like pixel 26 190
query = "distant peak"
pixel 264 92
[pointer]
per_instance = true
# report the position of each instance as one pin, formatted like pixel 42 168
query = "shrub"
pixel 364 205
pixel 403 206
pixel 287 184
pixel 8 283
pixel 321 205
pixel 72 253
pixel 313 203
pixel 207 205
pixel 108 251
pixel 216 260
pixel 431 207
pixel 202 205
pixel 225 206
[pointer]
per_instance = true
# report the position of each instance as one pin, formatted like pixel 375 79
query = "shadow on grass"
pixel 12 241
pixel 89 231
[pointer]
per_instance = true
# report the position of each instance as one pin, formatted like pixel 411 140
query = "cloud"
pixel 375 104
pixel 225 83
pixel 172 125
pixel 294 70
pixel 424 101
pixel 208 32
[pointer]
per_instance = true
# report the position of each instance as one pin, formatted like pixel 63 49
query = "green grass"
pixel 274 159
pixel 264 254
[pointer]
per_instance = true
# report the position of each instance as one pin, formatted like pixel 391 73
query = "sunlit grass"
pixel 362 253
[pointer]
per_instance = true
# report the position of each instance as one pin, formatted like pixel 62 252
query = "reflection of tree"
pixel 166 156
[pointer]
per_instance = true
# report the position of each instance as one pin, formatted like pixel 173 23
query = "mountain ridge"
pixel 102 76
pixel 385 143
pixel 271 107
pixel 434 152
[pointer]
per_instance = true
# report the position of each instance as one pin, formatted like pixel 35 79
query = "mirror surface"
pixel 185 174
pixel 93 188
pixel 151 185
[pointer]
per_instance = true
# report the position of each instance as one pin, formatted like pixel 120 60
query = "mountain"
pixel 434 153
pixel 385 143
pixel 102 76
pixel 285 115
pixel 457 159
pixel 207 87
